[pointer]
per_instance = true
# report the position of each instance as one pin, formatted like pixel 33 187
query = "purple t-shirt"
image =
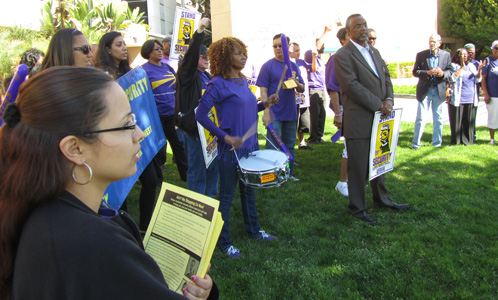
pixel 170 62
pixel 468 85
pixel 331 80
pixel 237 110
pixel 163 81
pixel 204 79
pixel 316 80
pixel 491 70
pixel 269 76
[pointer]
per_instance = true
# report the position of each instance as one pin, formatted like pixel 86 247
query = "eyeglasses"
pixel 205 56
pixel 85 49
pixel 495 48
pixel 277 46
pixel 372 38
pixel 133 126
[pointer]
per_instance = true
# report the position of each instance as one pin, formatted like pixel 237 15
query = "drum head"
pixel 263 160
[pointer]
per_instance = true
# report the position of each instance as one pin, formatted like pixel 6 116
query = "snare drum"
pixel 264 169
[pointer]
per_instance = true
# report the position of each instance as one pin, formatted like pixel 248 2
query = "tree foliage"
pixel 92 21
pixel 474 21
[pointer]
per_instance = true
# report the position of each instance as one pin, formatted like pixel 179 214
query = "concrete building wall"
pixel 161 15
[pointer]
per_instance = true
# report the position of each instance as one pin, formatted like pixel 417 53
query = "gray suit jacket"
pixel 361 90
pixel 423 64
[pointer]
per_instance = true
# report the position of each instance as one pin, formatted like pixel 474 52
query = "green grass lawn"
pixel 444 247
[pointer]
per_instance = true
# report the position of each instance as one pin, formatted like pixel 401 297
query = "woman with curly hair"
pixel 112 55
pixel 237 110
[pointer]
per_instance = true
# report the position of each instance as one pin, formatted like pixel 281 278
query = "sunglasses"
pixel 85 49
pixel 205 56
pixel 372 38
pixel 156 49
pixel 277 46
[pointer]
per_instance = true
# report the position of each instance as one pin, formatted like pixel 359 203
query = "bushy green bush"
pixel 13 42
pixel 402 68
pixel 405 89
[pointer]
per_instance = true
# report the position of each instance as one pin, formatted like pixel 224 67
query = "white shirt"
pixel 366 54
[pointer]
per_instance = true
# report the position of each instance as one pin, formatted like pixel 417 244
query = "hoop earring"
pixel 89 171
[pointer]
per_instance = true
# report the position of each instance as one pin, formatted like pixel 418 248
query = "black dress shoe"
pixel 306 147
pixel 396 206
pixel 368 220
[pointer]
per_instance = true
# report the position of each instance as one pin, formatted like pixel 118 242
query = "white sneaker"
pixel 492 142
pixel 233 252
pixel 342 187
pixel 294 179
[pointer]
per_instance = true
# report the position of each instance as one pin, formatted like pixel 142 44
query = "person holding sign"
pixel 237 110
pixel 69 135
pixel 192 80
pixel 359 69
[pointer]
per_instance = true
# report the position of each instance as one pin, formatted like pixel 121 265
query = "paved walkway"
pixel 409 105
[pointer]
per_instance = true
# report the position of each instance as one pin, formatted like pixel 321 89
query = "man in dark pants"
pixel 317 90
pixel 366 87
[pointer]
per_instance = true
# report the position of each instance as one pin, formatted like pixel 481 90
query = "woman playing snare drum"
pixel 237 111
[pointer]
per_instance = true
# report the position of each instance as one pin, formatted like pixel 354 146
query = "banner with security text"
pixel 186 22
pixel 139 91
pixel 383 143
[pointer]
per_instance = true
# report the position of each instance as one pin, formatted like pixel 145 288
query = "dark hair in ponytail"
pixel 57 102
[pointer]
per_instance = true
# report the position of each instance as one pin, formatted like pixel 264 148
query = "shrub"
pixel 400 70
pixel 405 89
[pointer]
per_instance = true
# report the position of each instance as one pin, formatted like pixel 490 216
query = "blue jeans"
pixel 228 182
pixel 287 132
pixel 433 100
pixel 199 179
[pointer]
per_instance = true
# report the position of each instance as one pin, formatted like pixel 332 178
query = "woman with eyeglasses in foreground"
pixel 69 135
pixel 68 47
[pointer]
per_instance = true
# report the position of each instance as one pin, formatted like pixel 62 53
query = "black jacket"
pixel 189 87
pixel 67 251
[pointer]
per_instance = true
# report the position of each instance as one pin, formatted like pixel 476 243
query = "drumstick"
pixel 281 81
pixel 250 132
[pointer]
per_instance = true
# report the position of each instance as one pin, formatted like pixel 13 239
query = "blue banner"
pixel 139 91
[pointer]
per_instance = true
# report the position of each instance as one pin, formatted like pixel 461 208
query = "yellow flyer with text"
pixel 182 234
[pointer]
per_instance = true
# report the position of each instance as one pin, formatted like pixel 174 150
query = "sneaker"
pixel 342 187
pixel 414 147
pixel 492 142
pixel 294 179
pixel 233 252
pixel 265 236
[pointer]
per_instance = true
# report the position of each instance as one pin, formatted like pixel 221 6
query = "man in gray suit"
pixel 366 87
pixel 433 68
